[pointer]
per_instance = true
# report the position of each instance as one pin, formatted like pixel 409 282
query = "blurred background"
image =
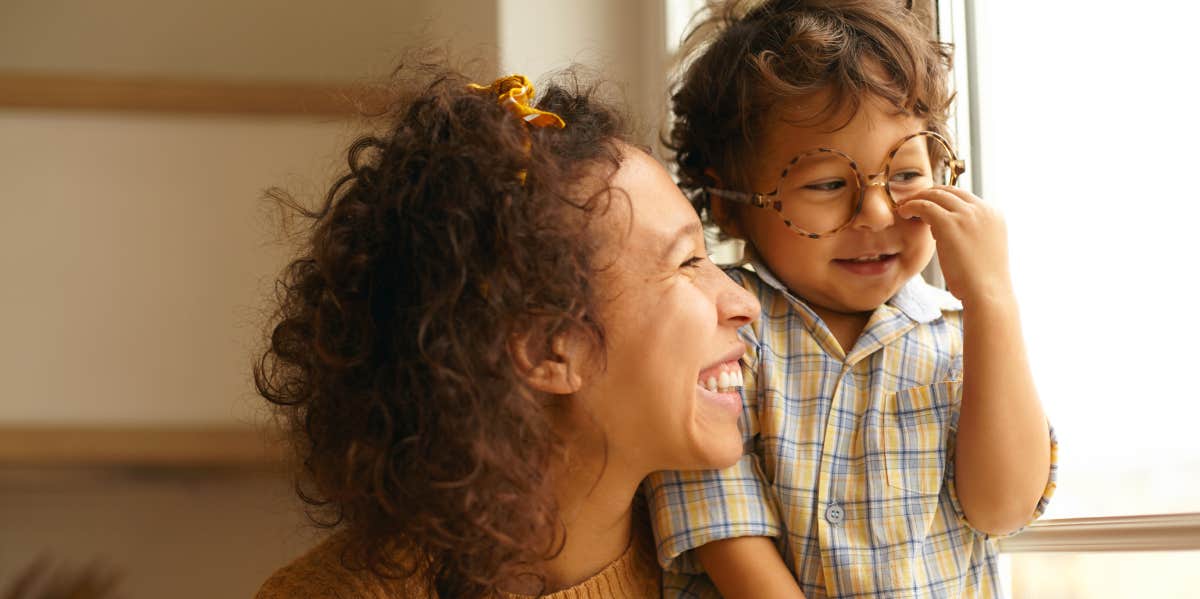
pixel 137 256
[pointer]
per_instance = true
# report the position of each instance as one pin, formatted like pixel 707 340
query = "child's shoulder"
pixel 754 278
pixel 739 272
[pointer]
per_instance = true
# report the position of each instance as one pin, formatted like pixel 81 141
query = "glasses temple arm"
pixel 741 197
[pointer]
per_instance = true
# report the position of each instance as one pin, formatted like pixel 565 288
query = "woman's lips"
pixel 718 384
pixel 729 400
pixel 875 265
pixel 731 356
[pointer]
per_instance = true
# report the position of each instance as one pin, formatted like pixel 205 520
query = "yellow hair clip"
pixel 514 93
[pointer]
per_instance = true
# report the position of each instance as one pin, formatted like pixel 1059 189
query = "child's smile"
pixel 869 264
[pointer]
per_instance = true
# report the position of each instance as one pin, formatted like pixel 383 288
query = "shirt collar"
pixel 917 299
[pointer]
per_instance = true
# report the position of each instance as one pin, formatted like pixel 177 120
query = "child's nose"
pixel 877 212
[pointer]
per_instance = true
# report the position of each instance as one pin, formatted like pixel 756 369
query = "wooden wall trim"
pixel 168 447
pixel 148 94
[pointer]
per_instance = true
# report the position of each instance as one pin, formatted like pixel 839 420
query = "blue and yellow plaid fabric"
pixel 849 460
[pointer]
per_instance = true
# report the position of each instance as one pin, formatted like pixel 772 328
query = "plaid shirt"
pixel 849 460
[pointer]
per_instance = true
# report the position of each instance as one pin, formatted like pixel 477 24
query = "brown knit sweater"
pixel 320 574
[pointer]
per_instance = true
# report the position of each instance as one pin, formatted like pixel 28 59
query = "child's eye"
pixel 907 176
pixel 821 193
pixel 832 185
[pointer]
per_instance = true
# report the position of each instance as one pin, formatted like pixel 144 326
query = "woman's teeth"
pixel 727 381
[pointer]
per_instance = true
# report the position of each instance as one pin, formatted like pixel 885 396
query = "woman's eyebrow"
pixel 683 234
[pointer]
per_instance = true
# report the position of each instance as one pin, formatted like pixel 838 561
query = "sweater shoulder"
pixel 322 573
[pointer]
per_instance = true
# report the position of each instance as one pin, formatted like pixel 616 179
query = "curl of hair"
pixel 745 59
pixel 389 358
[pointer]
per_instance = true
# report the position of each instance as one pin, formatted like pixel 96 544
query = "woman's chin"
pixel 726 458
pixel 716 454
pixel 716 437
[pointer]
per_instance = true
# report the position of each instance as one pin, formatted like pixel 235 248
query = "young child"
pixel 892 432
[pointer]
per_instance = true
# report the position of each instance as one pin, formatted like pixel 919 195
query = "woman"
pixel 503 320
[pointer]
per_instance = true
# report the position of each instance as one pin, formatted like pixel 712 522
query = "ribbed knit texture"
pixel 634 575
pixel 319 574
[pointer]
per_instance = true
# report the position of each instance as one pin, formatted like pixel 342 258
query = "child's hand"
pixel 971 240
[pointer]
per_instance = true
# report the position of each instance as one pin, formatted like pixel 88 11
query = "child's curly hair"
pixel 747 58
pixel 388 356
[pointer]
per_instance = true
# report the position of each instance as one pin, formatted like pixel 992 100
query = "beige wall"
pixel 623 39
pixel 258 39
pixel 137 255
pixel 135 251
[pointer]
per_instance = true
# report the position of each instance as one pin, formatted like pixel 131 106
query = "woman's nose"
pixel 735 305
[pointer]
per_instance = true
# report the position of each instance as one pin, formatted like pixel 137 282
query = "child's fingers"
pixel 944 198
pixel 960 193
pixel 930 212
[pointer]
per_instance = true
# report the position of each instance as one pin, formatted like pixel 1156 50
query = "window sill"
pixel 1159 532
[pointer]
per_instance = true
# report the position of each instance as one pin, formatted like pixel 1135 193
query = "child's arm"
pixel 749 567
pixel 1002 457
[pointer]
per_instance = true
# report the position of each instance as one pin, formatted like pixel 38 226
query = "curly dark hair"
pixel 746 58
pixel 389 355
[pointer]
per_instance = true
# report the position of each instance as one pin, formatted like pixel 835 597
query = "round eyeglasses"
pixel 822 191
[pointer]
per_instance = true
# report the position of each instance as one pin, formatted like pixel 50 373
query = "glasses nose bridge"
pixel 877 180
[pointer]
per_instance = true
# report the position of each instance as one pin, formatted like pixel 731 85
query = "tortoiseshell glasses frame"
pixel 951 168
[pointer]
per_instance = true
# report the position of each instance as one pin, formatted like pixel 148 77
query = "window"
pixel 1084 129
pixel 1080 118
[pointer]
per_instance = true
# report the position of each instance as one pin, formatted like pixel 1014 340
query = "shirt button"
pixel 835 514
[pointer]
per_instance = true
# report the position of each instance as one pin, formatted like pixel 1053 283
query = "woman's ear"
pixel 723 212
pixel 550 368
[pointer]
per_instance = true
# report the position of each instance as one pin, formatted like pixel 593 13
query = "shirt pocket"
pixel 913 429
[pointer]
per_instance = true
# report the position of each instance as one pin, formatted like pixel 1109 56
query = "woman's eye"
pixel 693 262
